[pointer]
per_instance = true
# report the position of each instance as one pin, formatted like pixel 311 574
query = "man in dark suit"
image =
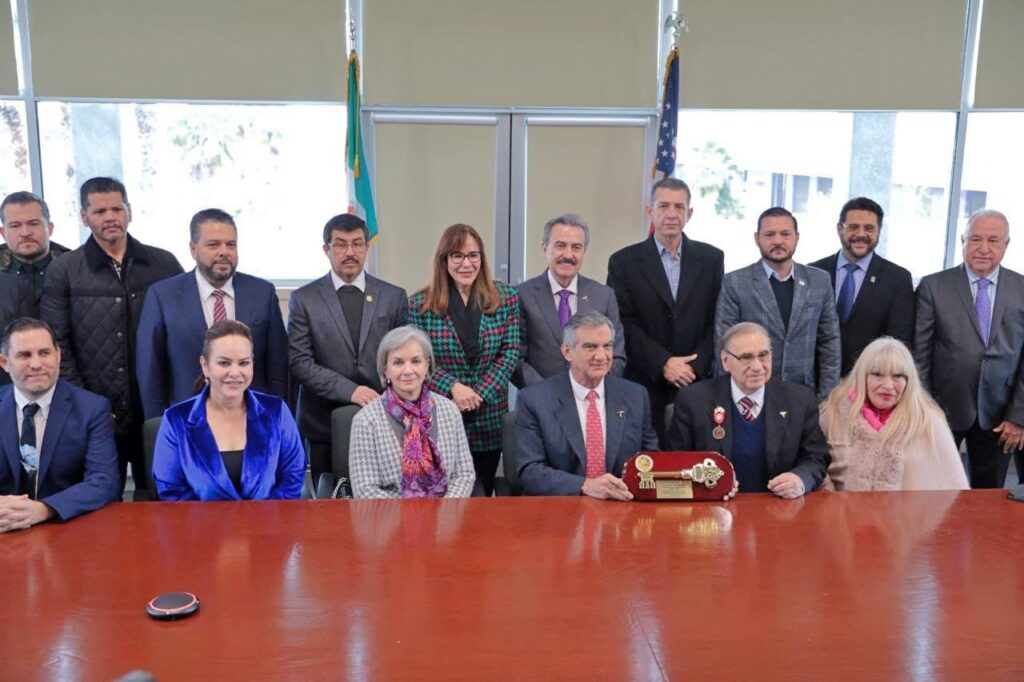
pixel 547 301
pixel 576 430
pixel 767 429
pixel 874 297
pixel 335 325
pixel 967 345
pixel 179 310
pixel 57 454
pixel 92 299
pixel 15 302
pixel 27 251
pixel 791 301
pixel 666 287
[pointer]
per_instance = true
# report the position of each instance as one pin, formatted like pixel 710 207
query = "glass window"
pixel 992 177
pixel 14 168
pixel 739 163
pixel 278 169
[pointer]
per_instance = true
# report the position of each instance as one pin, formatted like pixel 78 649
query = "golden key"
pixel 706 472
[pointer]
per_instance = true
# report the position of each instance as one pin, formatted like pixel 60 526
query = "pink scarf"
pixel 875 418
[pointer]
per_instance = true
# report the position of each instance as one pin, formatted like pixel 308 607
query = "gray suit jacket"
pixel 969 380
pixel 540 332
pixel 321 355
pixel 808 353
pixel 552 455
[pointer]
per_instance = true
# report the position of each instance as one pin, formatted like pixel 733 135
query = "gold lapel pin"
pixel 369 298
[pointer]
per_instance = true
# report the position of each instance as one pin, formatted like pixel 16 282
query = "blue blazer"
pixel 551 453
pixel 78 464
pixel 170 339
pixel 187 465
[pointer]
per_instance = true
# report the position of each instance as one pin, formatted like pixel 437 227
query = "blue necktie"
pixel 983 307
pixel 29 454
pixel 846 292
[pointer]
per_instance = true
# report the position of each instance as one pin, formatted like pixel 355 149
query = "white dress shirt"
pixel 359 282
pixel 757 397
pixel 993 282
pixel 573 288
pixel 40 418
pixel 206 297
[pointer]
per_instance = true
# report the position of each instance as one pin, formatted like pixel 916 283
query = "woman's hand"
pixel 465 398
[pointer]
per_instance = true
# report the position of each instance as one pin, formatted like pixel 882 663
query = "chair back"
pixel 341 430
pixel 150 429
pixel 509 459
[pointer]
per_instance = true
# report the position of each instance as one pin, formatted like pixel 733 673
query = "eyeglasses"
pixel 854 227
pixel 747 359
pixel 457 257
pixel 357 245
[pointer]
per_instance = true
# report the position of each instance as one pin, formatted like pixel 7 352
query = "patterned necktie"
pixel 846 292
pixel 564 311
pixel 747 408
pixel 595 438
pixel 29 453
pixel 220 313
pixel 983 307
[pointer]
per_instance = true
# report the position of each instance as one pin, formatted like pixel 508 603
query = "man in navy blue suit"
pixel 179 310
pixel 576 430
pixel 57 452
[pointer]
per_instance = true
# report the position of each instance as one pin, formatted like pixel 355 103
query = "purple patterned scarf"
pixel 422 473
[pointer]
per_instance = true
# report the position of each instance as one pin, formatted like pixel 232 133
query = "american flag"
pixel 665 158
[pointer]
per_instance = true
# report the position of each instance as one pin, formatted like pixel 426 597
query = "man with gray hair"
pixel 27 251
pixel 767 429
pixel 576 430
pixel 967 345
pixel 548 301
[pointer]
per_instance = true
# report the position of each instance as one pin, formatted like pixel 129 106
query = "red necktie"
pixel 220 313
pixel 747 408
pixel 595 438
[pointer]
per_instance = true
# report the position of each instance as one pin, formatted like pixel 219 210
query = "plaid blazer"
pixel 499 355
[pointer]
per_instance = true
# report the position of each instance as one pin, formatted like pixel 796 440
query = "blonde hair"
pixel 909 419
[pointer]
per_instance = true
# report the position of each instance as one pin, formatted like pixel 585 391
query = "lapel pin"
pixel 802 282
pixel 783 414
pixel 369 298
pixel 872 279
pixel 584 298
pixel 621 413
pixel 718 417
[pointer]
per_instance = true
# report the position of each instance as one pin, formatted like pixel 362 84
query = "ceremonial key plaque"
pixel 654 476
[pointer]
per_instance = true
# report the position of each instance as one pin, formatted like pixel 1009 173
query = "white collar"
pixel 206 289
pixel 993 277
pixel 771 273
pixel 43 402
pixel 737 393
pixel 359 282
pixel 556 287
pixel 580 391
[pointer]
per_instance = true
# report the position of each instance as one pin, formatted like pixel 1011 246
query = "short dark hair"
pixel 672 184
pixel 206 215
pixel 23 324
pixel 21 199
pixel 777 211
pixel 100 185
pixel 862 204
pixel 345 222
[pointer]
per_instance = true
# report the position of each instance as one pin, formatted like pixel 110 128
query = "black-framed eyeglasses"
pixel 748 358
pixel 457 257
pixel 854 227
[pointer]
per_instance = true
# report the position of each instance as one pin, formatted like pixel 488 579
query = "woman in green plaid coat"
pixel 473 324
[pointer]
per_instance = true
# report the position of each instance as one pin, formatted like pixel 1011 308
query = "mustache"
pixel 566 261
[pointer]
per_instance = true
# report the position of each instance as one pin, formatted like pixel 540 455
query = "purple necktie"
pixel 564 311
pixel 983 308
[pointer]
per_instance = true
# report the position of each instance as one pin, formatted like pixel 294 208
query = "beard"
pixel 213 276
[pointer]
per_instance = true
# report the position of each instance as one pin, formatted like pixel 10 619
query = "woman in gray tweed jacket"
pixel 410 442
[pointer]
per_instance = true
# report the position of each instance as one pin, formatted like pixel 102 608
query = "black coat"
pixel 15 302
pixel 884 307
pixel 95 315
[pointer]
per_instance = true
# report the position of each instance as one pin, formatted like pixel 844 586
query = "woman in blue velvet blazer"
pixel 228 442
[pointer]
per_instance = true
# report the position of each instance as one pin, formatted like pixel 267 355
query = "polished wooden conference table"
pixel 926 585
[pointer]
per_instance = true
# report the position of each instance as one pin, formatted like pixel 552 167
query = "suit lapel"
pixel 723 399
pixel 1003 295
pixel 544 298
pixel 60 407
pixel 654 271
pixel 800 286
pixel 766 299
pixel 190 306
pixel 371 301
pixel 204 451
pixel 615 411
pixel 255 456
pixel 569 418
pixel 330 301
pixel 868 286
pixel 692 268
pixel 243 302
pixel 9 434
pixel 831 264
pixel 963 290
pixel 774 427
